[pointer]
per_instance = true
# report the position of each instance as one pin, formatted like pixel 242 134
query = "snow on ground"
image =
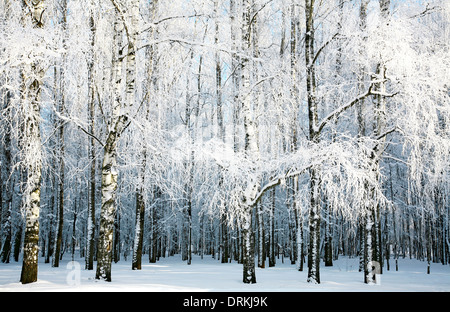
pixel 209 275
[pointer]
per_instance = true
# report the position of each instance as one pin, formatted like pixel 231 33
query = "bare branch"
pixel 384 134
pixel 73 120
pixel 121 15
pixel 153 24
pixel 323 47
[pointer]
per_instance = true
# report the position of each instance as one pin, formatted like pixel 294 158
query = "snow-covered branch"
pixel 338 111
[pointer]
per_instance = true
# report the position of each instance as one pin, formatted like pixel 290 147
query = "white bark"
pixel 33 156
pixel 117 125
pixel 91 109
pixel 251 151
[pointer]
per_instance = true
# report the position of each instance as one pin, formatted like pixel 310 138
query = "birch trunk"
pixel 361 105
pixel 235 64
pixel 6 188
pixel 251 152
pixel 109 167
pixel 189 167
pixel 361 133
pixel 272 260
pixel 261 235
pixel 59 230
pixel 152 89
pixel 139 228
pixel 91 109
pixel 294 30
pixel 108 208
pixel 33 145
pixel 131 79
pixel 315 210
pixel 140 211
pixel 373 252
pixel 380 129
pixel 328 246
pixel 368 254
pixel 133 14
pixel 221 132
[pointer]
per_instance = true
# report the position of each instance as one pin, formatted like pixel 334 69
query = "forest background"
pixel 241 129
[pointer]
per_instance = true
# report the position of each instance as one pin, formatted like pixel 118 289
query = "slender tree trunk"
pixel 251 150
pixel 189 166
pixel 300 241
pixel 116 243
pixel 33 188
pixel 139 228
pixel 315 205
pixel 140 196
pixel 272 230
pixel 221 128
pixel 108 208
pixel 261 236
pixel 140 211
pixel 373 252
pixel 152 86
pixel 236 75
pixel 314 230
pixel 92 186
pixel 52 205
pixel 328 247
pixel 109 171
pixel 248 246
pixel 74 228
pixel 368 250
pixel 33 143
pixel 60 224
pixel 6 188
pixel 153 249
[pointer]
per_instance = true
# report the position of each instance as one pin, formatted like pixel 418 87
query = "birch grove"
pixel 249 131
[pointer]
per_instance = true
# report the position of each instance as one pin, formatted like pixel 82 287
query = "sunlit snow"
pixel 209 275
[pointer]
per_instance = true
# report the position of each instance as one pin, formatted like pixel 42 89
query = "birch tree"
pixel 309 127
pixel 124 21
pixel 60 126
pixel 251 149
pixel 33 148
pixel 90 247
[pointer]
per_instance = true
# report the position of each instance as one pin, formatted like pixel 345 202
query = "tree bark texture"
pixel 251 152
pixel 314 137
pixel 33 146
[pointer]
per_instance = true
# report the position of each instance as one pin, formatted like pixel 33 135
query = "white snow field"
pixel 209 275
